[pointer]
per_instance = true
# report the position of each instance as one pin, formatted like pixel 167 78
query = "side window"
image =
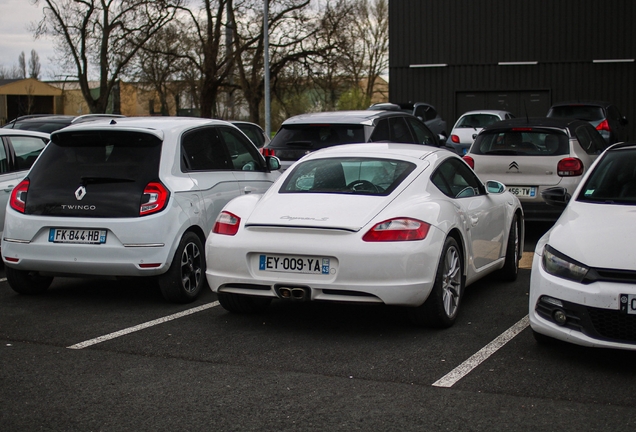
pixel 456 180
pixel 422 134
pixel 242 152
pixel 381 131
pixel 26 151
pixel 400 132
pixel 590 140
pixel 4 166
pixel 203 150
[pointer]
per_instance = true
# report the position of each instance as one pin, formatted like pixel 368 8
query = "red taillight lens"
pixel 399 229
pixel 19 195
pixel 603 126
pixel 154 198
pixel 455 139
pixel 570 167
pixel 227 224
pixel 266 151
pixel 470 161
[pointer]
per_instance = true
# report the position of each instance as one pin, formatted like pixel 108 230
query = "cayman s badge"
pixel 80 193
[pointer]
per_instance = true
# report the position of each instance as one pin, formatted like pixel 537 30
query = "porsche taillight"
pixel 19 195
pixel 470 161
pixel 154 198
pixel 226 224
pixel 570 167
pixel 398 229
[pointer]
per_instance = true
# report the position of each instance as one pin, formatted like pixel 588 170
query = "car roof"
pixel 21 132
pixel 410 151
pixel 342 117
pixel 485 111
pixel 583 102
pixel 158 126
pixel 548 122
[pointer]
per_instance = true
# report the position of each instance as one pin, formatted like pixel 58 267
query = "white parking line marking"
pixel 476 359
pixel 128 330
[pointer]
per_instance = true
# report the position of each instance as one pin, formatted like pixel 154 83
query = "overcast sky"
pixel 15 18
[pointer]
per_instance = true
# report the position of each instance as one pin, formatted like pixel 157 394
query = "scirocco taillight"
pixel 19 195
pixel 398 229
pixel 603 126
pixel 154 198
pixel 227 224
pixel 570 167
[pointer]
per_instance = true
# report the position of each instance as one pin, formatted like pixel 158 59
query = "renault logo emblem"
pixel 80 193
pixel 513 165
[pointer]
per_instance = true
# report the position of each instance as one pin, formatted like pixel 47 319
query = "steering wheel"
pixel 362 186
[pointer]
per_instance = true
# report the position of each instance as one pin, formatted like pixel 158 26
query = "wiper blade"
pixel 102 180
pixel 503 152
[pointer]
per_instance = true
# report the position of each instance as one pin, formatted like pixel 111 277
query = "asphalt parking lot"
pixel 113 355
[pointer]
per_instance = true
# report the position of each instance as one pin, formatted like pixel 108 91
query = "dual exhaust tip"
pixel 293 293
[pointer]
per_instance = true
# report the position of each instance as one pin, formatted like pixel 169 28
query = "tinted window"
pixel 590 140
pixel 359 176
pixel 381 131
pixel 113 166
pixel 525 142
pixel 455 179
pixel 582 112
pixel 613 180
pixel 244 155
pixel 477 120
pixel 4 165
pixel 203 150
pixel 26 151
pixel 41 126
pixel 310 136
pixel 400 132
pixel 422 134
pixel 253 133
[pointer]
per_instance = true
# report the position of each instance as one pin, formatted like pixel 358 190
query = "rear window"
pixel 316 136
pixel 357 176
pixel 477 120
pixel 521 142
pixel 581 112
pixel 113 166
pixel 613 180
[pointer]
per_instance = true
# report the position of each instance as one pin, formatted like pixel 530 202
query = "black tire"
pixel 442 305
pixel 185 279
pixel 237 303
pixel 27 282
pixel 510 270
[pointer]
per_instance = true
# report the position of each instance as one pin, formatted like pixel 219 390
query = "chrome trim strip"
pixel 144 245
pixel 16 240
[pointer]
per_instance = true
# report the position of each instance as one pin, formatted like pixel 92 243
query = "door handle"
pixel 248 190
pixel 473 221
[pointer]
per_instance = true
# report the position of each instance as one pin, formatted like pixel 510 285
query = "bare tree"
pixel 98 38
pixel 22 66
pixel 34 65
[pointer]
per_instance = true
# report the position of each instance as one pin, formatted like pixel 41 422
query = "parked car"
pixel 253 131
pixel 422 110
pixel 302 134
pixel 128 197
pixel 583 279
pixel 469 124
pixel 604 116
pixel 18 150
pixel 50 122
pixel 367 223
pixel 529 155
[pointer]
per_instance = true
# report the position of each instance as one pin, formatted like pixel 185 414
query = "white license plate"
pixel 294 264
pixel 71 235
pixel 628 303
pixel 523 191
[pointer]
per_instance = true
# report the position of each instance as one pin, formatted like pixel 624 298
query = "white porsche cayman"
pixel 399 224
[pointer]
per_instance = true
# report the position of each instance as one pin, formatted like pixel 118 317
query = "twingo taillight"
pixel 398 229
pixel 470 161
pixel 455 139
pixel 570 167
pixel 154 198
pixel 226 224
pixel 603 126
pixel 19 195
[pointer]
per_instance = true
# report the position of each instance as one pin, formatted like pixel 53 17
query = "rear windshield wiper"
pixel 101 180
pixel 503 152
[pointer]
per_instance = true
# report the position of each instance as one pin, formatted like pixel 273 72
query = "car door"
pixel 206 160
pixel 248 165
pixel 483 215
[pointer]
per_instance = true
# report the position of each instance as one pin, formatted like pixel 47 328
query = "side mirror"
pixel 556 196
pixel 495 187
pixel 273 163
pixel 442 139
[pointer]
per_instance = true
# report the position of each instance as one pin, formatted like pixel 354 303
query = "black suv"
pixel 51 122
pixel 302 134
pixel 604 116
pixel 423 111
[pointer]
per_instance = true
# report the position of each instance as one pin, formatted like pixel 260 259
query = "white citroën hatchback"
pixel 128 197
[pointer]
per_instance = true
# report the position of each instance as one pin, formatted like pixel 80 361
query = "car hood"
pixel 331 211
pixel 597 235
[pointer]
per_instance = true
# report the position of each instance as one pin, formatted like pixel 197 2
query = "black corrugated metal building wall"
pixel 521 55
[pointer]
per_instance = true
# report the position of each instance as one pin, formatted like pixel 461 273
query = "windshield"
pixel 521 142
pixel 613 180
pixel 358 176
